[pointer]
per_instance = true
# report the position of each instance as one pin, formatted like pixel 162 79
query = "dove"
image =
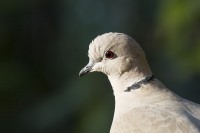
pixel 142 103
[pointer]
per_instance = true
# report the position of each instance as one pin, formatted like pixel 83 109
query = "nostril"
pixel 88 67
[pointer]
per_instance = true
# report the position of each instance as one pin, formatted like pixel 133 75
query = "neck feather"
pixel 121 82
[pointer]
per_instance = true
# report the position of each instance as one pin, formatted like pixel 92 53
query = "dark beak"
pixel 86 69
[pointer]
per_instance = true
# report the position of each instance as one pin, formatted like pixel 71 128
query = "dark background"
pixel 44 43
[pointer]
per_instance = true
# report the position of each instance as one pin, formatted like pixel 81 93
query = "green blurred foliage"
pixel 43 46
pixel 179 20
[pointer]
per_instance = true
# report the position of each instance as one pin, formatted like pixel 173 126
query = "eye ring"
pixel 109 54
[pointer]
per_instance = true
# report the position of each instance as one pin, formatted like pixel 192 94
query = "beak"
pixel 86 69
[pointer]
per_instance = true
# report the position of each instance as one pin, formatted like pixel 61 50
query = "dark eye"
pixel 109 54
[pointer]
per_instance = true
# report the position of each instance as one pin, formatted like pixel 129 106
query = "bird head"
pixel 114 54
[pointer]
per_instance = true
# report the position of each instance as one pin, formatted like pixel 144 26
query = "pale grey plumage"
pixel 150 109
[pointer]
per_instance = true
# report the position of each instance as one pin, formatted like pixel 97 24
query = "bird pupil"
pixel 109 54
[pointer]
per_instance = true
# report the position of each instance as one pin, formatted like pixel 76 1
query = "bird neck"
pixel 121 82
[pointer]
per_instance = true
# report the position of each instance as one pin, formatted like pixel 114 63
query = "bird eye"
pixel 109 54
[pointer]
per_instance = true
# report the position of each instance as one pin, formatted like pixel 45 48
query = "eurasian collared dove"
pixel 142 103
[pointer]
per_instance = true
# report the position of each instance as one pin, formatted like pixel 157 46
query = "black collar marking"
pixel 139 83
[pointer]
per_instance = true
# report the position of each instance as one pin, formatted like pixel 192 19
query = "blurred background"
pixel 44 44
